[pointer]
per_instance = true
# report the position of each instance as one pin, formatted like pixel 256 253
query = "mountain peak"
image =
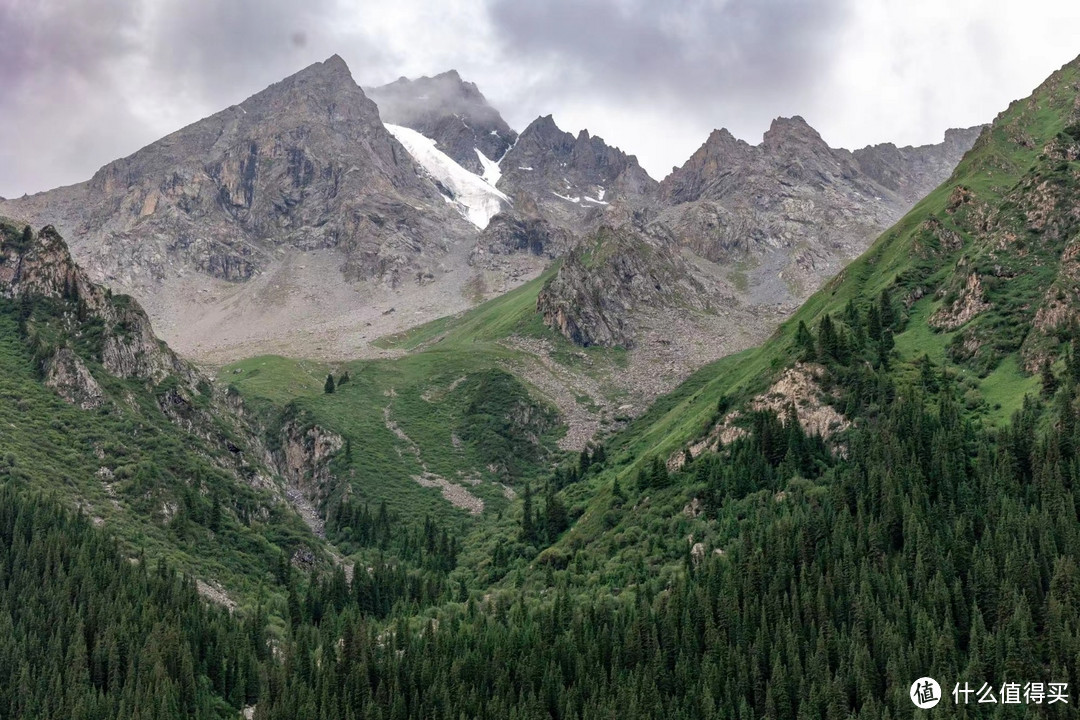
pixel 332 67
pixel 784 130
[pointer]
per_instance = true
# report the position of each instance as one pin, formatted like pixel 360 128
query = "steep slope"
pixel 453 113
pixel 291 210
pixel 975 285
pixel 103 414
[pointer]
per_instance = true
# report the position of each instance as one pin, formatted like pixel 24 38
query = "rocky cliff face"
pixel 912 172
pixel 305 164
pixel 569 181
pixel 450 111
pixel 608 287
pixel 40 266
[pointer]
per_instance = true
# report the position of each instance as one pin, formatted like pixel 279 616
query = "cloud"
pixel 58 79
pixel 83 83
pixel 670 72
pixel 683 48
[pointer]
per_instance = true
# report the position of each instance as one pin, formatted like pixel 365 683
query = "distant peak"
pixel 334 67
pixel 450 74
pixel 544 123
pixel 722 136
pixel 583 135
pixel 794 128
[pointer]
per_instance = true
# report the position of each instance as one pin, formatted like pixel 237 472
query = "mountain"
pixel 882 491
pixel 792 208
pixel 268 223
pixel 453 113
pixel 770 223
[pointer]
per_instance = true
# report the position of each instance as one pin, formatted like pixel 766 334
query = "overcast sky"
pixel 83 82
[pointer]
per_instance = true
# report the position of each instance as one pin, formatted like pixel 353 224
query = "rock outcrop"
pixel 607 286
pixel 67 375
pixel 41 266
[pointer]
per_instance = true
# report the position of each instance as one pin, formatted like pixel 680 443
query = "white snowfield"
pixel 492 173
pixel 475 199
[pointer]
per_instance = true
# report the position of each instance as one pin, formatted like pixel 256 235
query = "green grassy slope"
pixel 162 489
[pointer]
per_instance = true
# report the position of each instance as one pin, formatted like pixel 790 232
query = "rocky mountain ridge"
pixel 296 223
pixel 570 180
pixel 776 220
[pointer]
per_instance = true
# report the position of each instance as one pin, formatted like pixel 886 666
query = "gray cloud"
pixel 689 49
pixel 210 50
pixel 57 81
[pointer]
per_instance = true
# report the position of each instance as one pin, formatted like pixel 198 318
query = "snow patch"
pixel 524 168
pixel 571 199
pixel 475 199
pixel 491 173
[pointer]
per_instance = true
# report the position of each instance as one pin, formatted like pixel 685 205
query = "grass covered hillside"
pixel 97 413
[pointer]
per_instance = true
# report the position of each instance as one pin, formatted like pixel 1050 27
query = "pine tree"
pixel 1049 382
pixel 804 341
pixel 888 312
pixel 528 526
pixel 329 386
pixel 828 342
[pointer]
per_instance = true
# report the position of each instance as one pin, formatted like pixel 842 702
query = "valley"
pixel 381 409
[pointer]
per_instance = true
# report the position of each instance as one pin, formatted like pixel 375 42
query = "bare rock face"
pixel 911 172
pixel 305 163
pixel 569 181
pixel 605 287
pixel 792 210
pixel 509 233
pixel 67 375
pixel 450 111
pixel 769 223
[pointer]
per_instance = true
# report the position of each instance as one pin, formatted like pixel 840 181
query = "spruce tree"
pixel 1046 376
pixel 328 387
pixel 804 341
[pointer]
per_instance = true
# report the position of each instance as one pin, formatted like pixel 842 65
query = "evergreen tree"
pixel 328 387
pixel 1048 380
pixel 804 341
